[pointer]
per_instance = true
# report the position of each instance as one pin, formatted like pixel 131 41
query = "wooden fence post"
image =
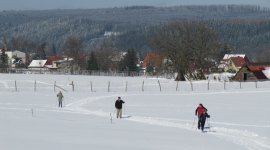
pixel 191 85
pixel 16 89
pixel 208 85
pixel 240 85
pixel 35 86
pixel 109 84
pixel 143 86
pixel 159 86
pixel 54 86
pixel 224 85
pixel 177 85
pixel 126 86
pixel 256 84
pixel 72 84
pixel 91 86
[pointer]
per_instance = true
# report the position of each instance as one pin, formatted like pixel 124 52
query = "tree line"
pixel 190 45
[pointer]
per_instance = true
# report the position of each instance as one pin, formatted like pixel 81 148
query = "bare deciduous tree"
pixel 72 49
pixel 190 46
pixel 107 57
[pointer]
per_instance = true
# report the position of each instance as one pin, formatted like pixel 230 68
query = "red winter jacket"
pixel 199 110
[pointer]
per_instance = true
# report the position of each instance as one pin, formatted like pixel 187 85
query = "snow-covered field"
pixel 154 118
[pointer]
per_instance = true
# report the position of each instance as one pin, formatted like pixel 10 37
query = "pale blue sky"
pixel 73 4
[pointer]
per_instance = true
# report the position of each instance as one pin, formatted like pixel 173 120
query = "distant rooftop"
pixel 228 56
pixel 37 63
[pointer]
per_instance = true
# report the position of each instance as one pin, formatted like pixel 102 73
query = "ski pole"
pixel 111 117
pixel 193 122
pixel 64 102
pixel 124 109
pixel 114 113
pixel 208 119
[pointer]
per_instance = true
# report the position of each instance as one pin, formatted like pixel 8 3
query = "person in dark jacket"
pixel 199 110
pixel 202 119
pixel 60 99
pixel 118 105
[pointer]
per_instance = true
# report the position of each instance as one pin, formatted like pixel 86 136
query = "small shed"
pixel 252 72
pixel 12 55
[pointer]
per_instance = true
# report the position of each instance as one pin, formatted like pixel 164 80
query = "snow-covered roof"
pixel 37 63
pixel 221 66
pixel 266 72
pixel 18 52
pixel 228 56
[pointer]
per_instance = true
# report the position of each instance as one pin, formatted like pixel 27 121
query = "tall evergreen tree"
pixel 92 62
pixel 3 55
pixel 129 63
pixel 3 60
pixel 132 60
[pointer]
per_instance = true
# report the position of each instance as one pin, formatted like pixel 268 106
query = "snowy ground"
pixel 153 119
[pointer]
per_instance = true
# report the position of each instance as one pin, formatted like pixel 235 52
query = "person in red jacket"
pixel 200 109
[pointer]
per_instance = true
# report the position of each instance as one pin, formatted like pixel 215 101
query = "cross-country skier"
pixel 200 109
pixel 118 106
pixel 60 99
pixel 202 119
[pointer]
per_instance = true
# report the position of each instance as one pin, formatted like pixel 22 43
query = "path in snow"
pixel 249 140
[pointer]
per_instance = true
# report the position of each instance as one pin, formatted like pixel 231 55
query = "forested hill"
pixel 244 28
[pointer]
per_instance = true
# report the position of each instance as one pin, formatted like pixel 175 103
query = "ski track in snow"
pixel 249 140
pixel 4 84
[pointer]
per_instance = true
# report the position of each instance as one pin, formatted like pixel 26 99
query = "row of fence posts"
pixel 126 87
pixel 177 85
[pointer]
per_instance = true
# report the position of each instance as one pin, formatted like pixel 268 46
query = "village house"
pixel 15 58
pixel 232 62
pixel 152 62
pixel 63 65
pixel 53 62
pixel 253 72
pixel 38 65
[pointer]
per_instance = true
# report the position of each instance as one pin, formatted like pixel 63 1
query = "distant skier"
pixel 199 110
pixel 118 106
pixel 60 99
pixel 202 119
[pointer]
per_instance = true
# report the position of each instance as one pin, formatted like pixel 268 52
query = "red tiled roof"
pixel 238 61
pixel 260 75
pixel 257 70
pixel 257 67
pixel 50 59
